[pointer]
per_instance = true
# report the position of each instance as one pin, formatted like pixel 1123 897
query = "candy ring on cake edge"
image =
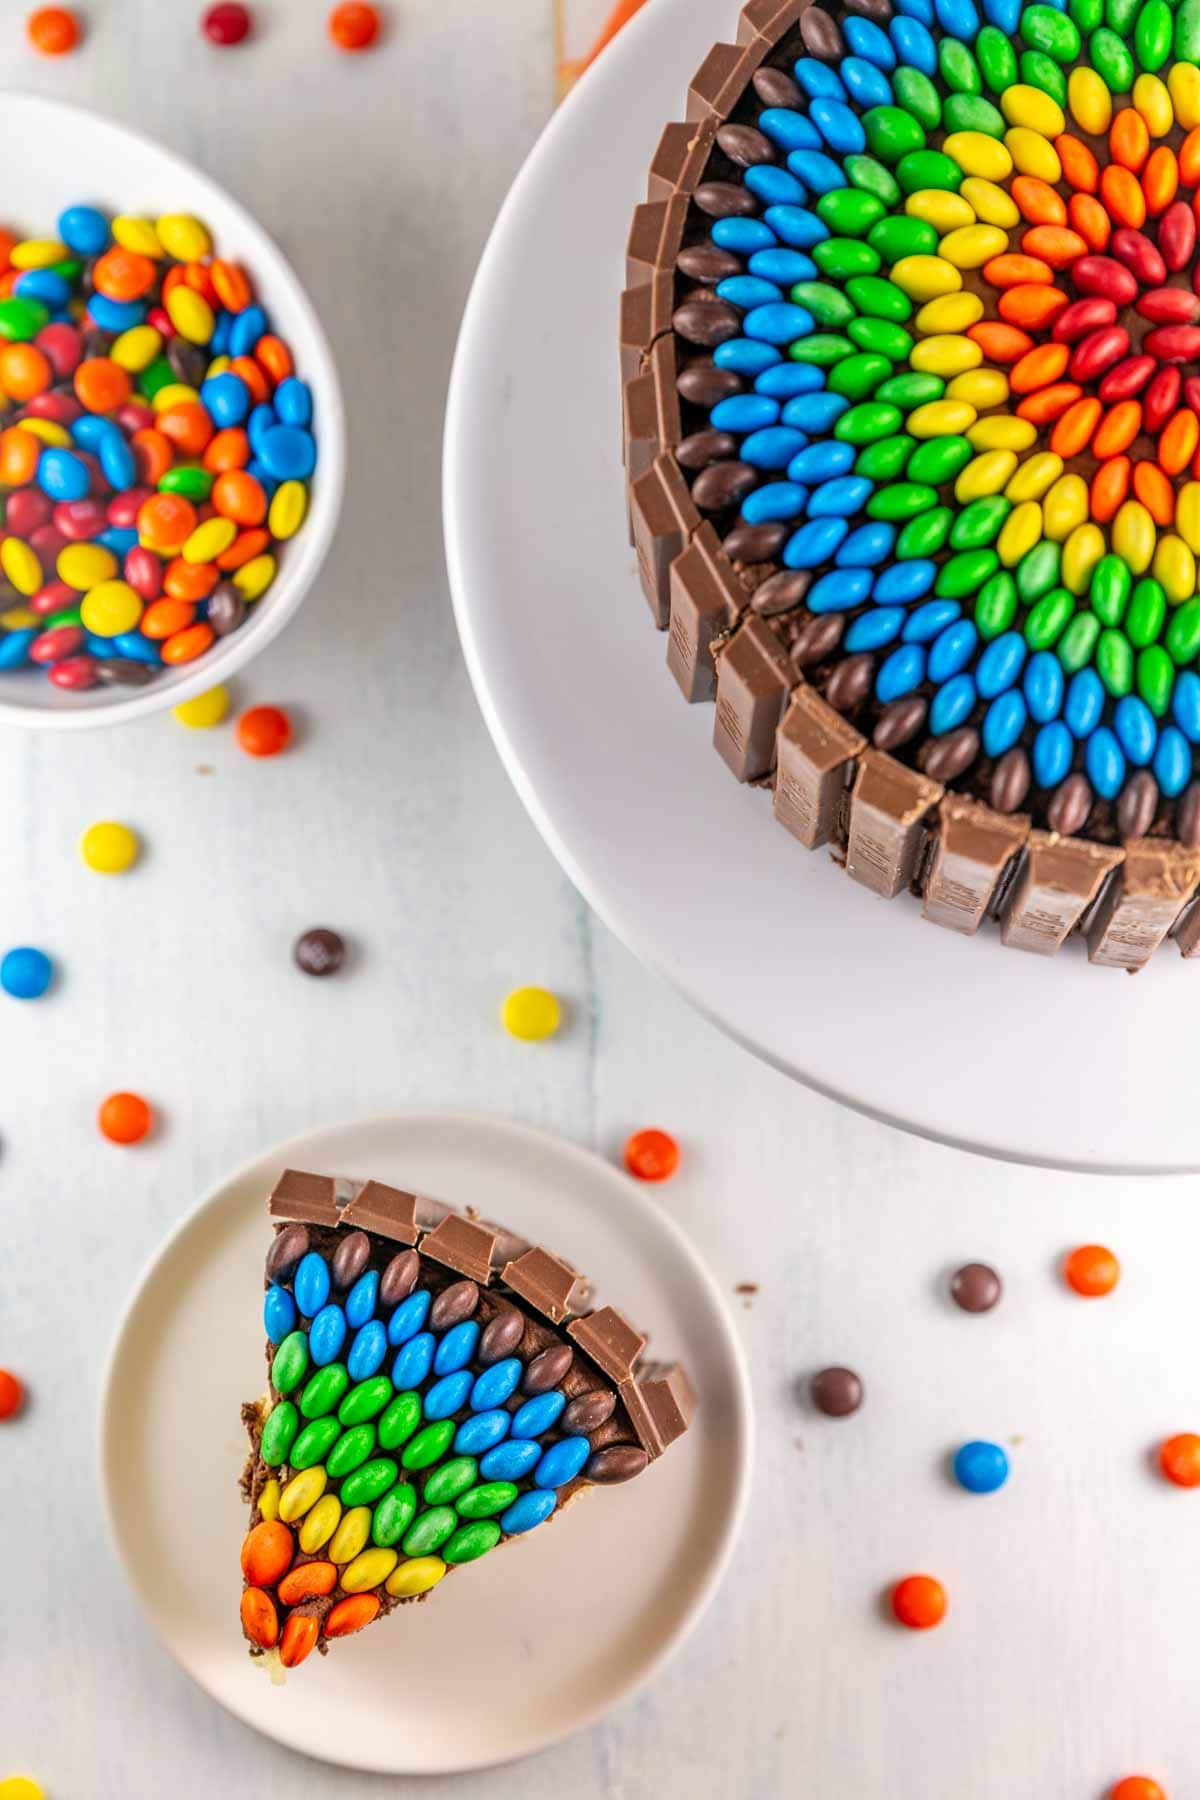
pixel 899 825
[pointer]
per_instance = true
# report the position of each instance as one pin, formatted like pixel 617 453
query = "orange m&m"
pixel 919 1601
pixel 1179 1459
pixel 11 1394
pixel 125 1118
pixel 651 1155
pixel 1092 1271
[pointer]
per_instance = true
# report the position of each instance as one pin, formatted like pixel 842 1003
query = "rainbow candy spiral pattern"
pixel 959 323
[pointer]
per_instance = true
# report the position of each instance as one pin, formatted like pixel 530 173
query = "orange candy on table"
pixel 1129 139
pixel 651 1155
pixel 260 1621
pixel 11 1394
pixel 1092 1271
pixel 1137 1787
pixel 1179 1459
pixel 24 371
pixel 125 1118
pixel 299 1639
pixel 919 1602
pixel 54 30
pixel 101 385
pixel 354 26
pixel 264 731
pixel 267 1553
pixel 351 1615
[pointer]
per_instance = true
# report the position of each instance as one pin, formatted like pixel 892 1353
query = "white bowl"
pixel 126 172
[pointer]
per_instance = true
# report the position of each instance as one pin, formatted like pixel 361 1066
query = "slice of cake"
pixel 436 1386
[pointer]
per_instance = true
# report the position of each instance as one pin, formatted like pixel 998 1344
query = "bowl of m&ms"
pixel 172 441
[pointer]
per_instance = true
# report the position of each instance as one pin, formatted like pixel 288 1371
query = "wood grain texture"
pixel 1067 1658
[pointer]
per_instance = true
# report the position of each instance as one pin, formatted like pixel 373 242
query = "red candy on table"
pixel 651 1155
pixel 11 1394
pixel 1092 1271
pixel 226 24
pixel 919 1602
pixel 125 1118
pixel 54 30
pixel 264 731
pixel 354 25
pixel 1179 1459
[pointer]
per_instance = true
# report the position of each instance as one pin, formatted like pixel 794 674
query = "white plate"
pixel 82 156
pixel 541 1638
pixel 1051 1062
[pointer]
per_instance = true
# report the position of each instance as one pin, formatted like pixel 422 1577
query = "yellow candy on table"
pixel 1152 100
pixel 980 388
pixel 368 1569
pixel 1090 101
pixel 47 432
pixel 204 710
pixel 19 618
pixel 925 277
pixel 992 205
pixel 1187 515
pixel 38 253
pixel 973 245
pixel 184 237
pixel 21 1787
pixel 1035 475
pixel 110 608
pixel 289 507
pixel 1031 154
pixel 1183 85
pixel 946 356
pixel 84 566
pixel 939 208
pixel 190 314
pixel 20 565
pixel 109 847
pixel 1002 433
pixel 209 540
pixel 302 1493
pixel 1175 569
pixel 351 1535
pixel 1030 109
pixel 1081 552
pixel 175 393
pixel 977 154
pixel 1020 532
pixel 531 1014
pixel 254 578
pixel 268 1500
pixel 1065 502
pixel 1134 536
pixel 984 475
pixel 136 234
pixel 320 1524
pixel 940 418
pixel 136 348
pixel 949 312
pixel 416 1576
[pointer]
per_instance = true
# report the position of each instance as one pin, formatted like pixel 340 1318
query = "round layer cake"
pixel 911 360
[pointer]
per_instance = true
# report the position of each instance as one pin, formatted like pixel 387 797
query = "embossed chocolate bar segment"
pixel 654 238
pixel 645 315
pixel 463 1245
pixel 1152 887
pixel 389 1211
pixel 1057 880
pixel 768 19
pixel 683 150
pixel 660 1404
pixel 887 830
pixel 754 679
pixel 1186 930
pixel 663 519
pixel 973 847
pixel 651 410
pixel 814 749
pixel 718 83
pixel 705 599
pixel 610 1340
pixel 551 1286
pixel 307 1199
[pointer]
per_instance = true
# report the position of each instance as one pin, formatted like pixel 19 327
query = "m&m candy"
pixel 319 951
pixel 25 973
pixel 54 30
pixel 125 1118
pixel 1179 1459
pixel 21 1787
pixel 651 1155
pixel 264 731
pixel 1137 1787
pixel 226 24
pixel 354 25
pixel 203 711
pixel 1092 1271
pixel 531 1013
pixel 109 847
pixel 12 1394
pixel 919 1601
pixel 980 1467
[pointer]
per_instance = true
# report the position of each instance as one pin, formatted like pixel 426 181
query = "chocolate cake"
pixel 435 1387
pixel 910 350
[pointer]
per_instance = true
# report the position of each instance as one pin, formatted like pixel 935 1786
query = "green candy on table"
pixel 393 1515
pixel 1183 633
pixel 21 319
pixel 925 532
pixel 849 212
pixel 1078 642
pixel 891 133
pixel 1187 32
pixel 451 1480
pixel 979 523
pixel 430 1531
pixel 940 459
pixel 429 1444
pixel 489 1498
pixel 879 299
pixel 823 349
pixel 188 479
pixel 1048 618
pixel 278 1434
pixel 903 500
pixel 1086 14
pixel 867 173
pixel 365 1400
pixel 1112 60
pixel 1037 571
pixel 290 1362
pixel 472 1541
pixel 928 169
pixel 867 423
pixel 369 1483
pixel 1152 35
pixel 1114 662
pixel 323 1390
pixel 885 460
pixel 828 305
pixel 1040 71
pixel 964 573
pixel 1118 16
pixel 997 59
pixel 902 236
pixel 912 387
pixel 996 605
pixel 840 258
pixel 858 376
pixel 1109 594
pixel 1155 679
pixel 881 336
pixel 958 68
pixel 313 1443
pixel 971 112
pixel 400 1420
pixel 918 96
pixel 352 1449
pixel 1147 610
pixel 1046 29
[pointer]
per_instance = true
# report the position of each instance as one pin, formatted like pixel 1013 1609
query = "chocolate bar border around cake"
pixel 889 827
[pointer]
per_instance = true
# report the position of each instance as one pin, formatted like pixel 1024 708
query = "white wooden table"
pixel 1069 1654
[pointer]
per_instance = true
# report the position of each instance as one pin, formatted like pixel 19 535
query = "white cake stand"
pixel 1044 1061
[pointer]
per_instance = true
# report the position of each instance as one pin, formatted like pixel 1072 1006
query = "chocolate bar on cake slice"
pixel 435 1386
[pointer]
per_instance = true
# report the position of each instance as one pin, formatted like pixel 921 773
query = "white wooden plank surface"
pixel 1069 1654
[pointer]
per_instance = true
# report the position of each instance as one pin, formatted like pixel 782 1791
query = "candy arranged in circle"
pixel 125 1118
pixel 25 972
pixel 919 1601
pixel 156 451
pixel 1092 1271
pixel 937 334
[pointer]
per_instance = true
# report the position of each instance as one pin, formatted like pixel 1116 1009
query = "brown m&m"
pixel 976 1287
pixel 836 1392
pixel 319 951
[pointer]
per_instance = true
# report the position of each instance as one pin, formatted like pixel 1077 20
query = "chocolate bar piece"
pixel 610 1340
pixel 651 410
pixel 705 600
pixel 654 239
pixel 887 823
pixel 973 848
pixel 768 19
pixel 462 1244
pixel 1058 878
pixel 552 1287
pixel 1147 895
pixel 717 85
pixel 307 1199
pixel 814 750
pixel 754 678
pixel 386 1210
pixel 663 519
pixel 683 150
pixel 645 315
pixel 660 1404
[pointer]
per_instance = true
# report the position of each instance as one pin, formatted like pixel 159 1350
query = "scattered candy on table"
pixel 1179 1459
pixel 203 711
pixel 531 1013
pixel 836 1392
pixel 54 30
pixel 651 1155
pixel 264 731
pixel 21 1787
pixel 109 847
pixel 1137 1787
pixel 319 951
pixel 354 26
pixel 155 453
pixel 1092 1271
pixel 25 973
pixel 919 1601
pixel 976 1287
pixel 227 24
pixel 980 1467
pixel 125 1118
pixel 12 1394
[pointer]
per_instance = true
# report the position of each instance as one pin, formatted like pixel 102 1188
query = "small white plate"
pixel 540 1639
pixel 1046 1061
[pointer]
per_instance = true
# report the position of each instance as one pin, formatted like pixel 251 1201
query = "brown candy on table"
pixel 399 1278
pixel 454 1304
pixel 821 36
pixel 899 721
pixel 707 264
pixel 618 1462
pixel 547 1369
pixel 587 1412
pixel 946 757
pixel 745 146
pixel 722 484
pixel 836 1392
pixel 501 1335
pixel 775 87
pixel 706 322
pixel 779 593
pixel 976 1287
pixel 319 951
pixel 725 199
pixel 817 639
pixel 350 1259
pixel 1010 781
pixel 226 609
pixel 188 361
pixel 850 682
pixel 1138 804
pixel 751 544
pixel 288 1246
pixel 1070 804
pixel 701 382
pixel 703 448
